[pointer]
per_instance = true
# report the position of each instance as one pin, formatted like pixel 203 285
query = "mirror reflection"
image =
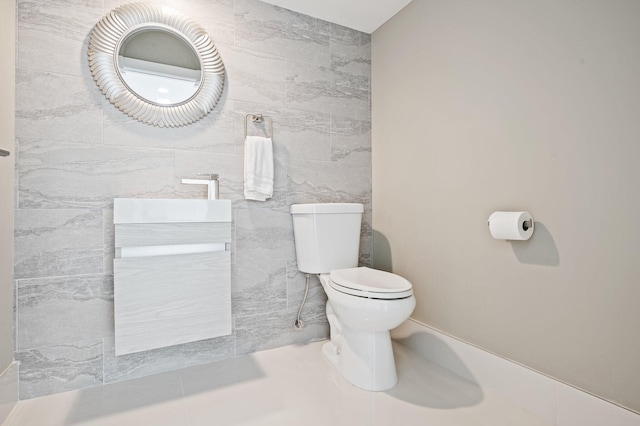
pixel 159 66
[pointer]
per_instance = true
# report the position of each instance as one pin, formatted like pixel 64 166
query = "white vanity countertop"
pixel 141 210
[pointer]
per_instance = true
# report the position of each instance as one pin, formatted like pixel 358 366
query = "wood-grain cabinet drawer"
pixel 170 299
pixel 162 301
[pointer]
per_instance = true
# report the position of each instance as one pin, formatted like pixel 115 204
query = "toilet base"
pixel 363 358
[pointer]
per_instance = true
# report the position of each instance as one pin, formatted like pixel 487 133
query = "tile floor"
pixel 293 386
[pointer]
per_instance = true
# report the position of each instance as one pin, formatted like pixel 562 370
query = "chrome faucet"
pixel 213 186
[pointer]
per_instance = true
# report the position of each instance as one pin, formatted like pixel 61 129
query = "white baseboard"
pixel 8 390
pixel 557 403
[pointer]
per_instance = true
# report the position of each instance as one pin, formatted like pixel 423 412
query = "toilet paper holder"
pixel 525 225
pixel 510 225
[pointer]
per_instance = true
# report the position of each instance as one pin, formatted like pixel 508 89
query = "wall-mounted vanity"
pixel 172 272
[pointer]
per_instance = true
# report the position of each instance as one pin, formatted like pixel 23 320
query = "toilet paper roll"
pixel 511 225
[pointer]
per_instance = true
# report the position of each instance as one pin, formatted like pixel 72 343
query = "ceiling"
pixel 362 15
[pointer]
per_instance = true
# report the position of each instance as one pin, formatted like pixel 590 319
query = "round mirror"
pixel 159 66
pixel 155 65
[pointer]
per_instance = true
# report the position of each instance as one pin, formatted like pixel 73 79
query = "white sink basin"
pixel 141 210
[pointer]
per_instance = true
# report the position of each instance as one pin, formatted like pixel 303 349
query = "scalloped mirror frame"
pixel 114 27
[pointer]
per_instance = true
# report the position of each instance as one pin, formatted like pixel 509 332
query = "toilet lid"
pixel 372 283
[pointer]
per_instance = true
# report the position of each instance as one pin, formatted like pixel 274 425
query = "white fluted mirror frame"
pixel 104 42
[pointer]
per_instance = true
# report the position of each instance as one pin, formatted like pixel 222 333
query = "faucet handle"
pixel 211 181
pixel 210 176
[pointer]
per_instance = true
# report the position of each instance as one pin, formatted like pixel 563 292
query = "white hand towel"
pixel 258 168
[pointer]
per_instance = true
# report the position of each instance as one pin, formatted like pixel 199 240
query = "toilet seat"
pixel 370 283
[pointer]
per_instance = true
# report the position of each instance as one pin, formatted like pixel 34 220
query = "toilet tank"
pixel 327 236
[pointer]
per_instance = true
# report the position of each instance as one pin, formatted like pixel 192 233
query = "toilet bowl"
pixel 360 345
pixel 363 303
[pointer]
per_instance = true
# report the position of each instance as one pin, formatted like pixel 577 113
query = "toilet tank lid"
pixel 368 279
pixel 327 208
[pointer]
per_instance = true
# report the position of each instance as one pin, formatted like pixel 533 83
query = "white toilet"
pixel 364 304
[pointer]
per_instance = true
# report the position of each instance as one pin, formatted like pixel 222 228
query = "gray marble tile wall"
pixel 76 152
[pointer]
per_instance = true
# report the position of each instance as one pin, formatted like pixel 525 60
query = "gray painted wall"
pixel 516 105
pixel 7 94
pixel 77 152
pixel 8 371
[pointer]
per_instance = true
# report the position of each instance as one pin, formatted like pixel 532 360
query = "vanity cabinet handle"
pixel 4 153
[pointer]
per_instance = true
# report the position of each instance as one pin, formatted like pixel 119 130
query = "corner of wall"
pixel 8 390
